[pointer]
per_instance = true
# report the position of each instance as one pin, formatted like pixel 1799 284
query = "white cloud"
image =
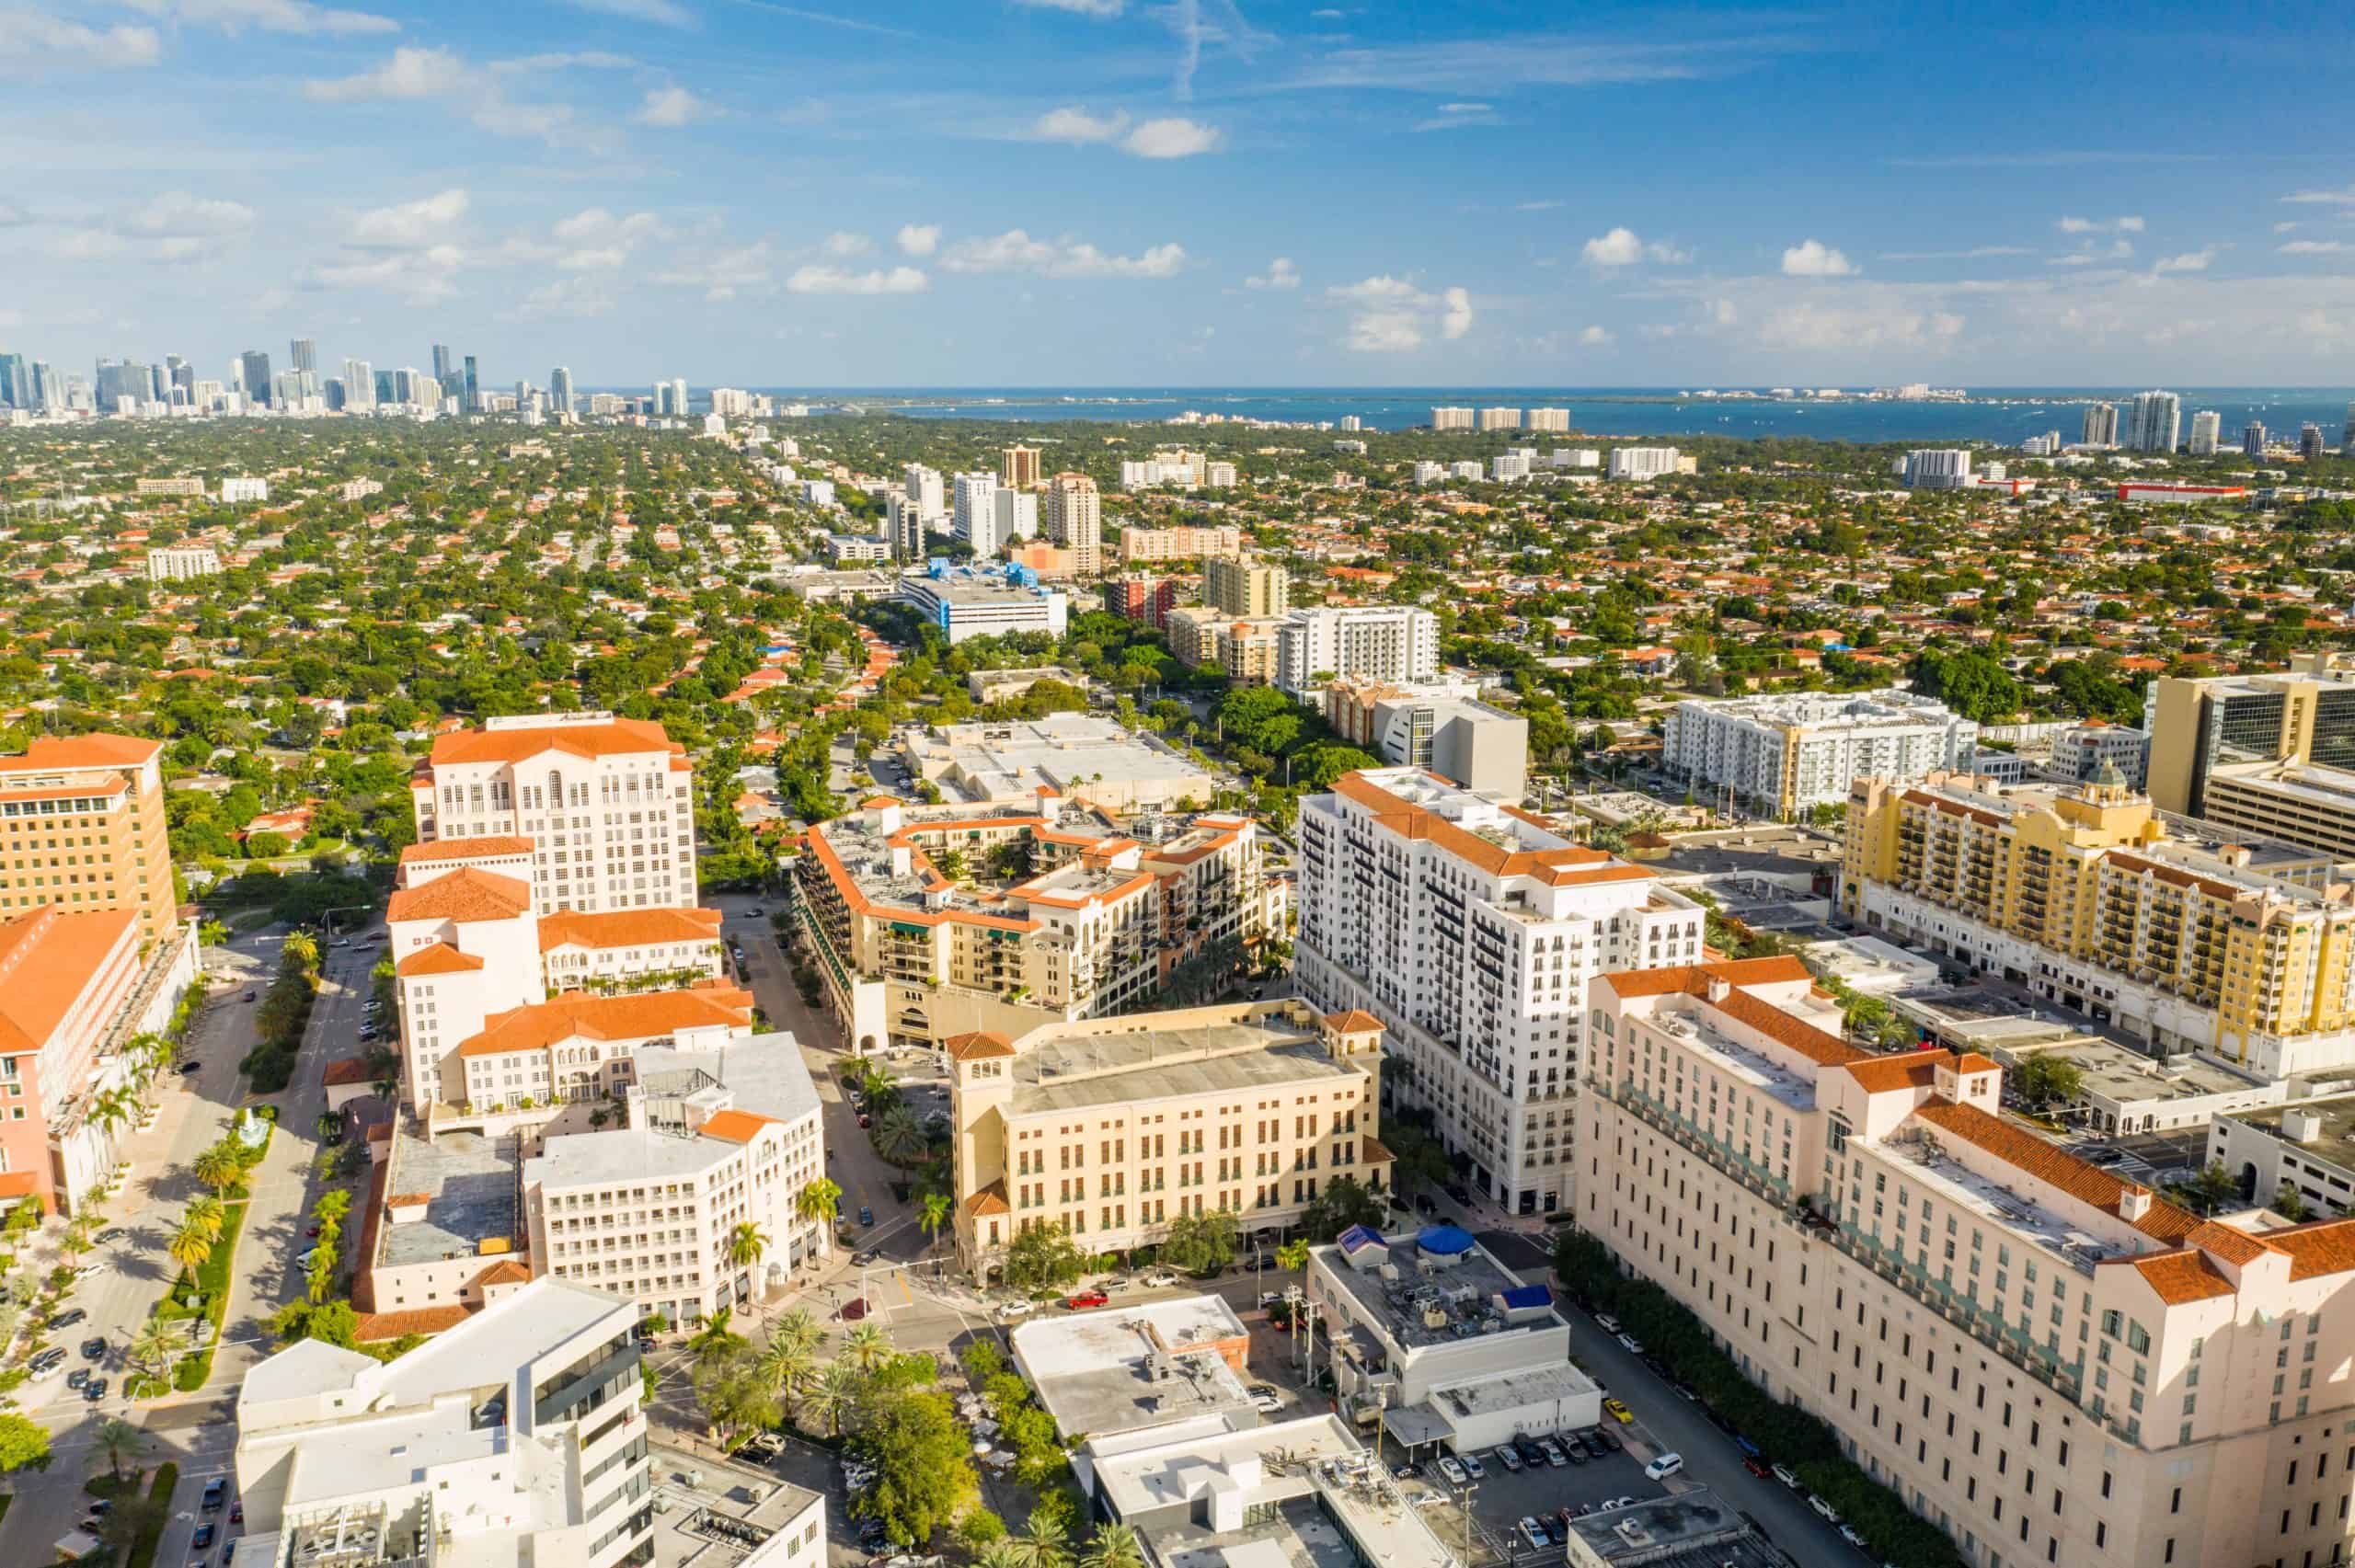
pixel 1280 274
pixel 86 245
pixel 1621 247
pixel 2189 262
pixel 1077 126
pixel 2095 226
pixel 2090 254
pixel 1016 251
pixel 840 280
pixel 667 12
pixel 408 73
pixel 1172 138
pixel 919 239
pixel 423 277
pixel 842 242
pixel 268 15
pixel 32 40
pixel 567 297
pixel 2314 247
pixel 1813 258
pixel 722 275
pixel 1595 338
pixel 1076 7
pixel 670 108
pixel 592 240
pixel 179 213
pixel 1395 316
pixel 2342 197
pixel 1974 254
pixel 1811 327
pixel 410 224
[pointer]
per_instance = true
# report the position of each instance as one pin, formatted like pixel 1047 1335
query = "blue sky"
pixel 1092 192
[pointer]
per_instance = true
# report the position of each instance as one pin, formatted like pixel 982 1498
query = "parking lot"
pixel 1501 1498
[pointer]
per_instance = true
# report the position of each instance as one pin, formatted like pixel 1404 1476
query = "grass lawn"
pixel 143 1550
pixel 212 1281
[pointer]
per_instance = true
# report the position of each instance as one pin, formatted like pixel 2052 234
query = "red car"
pixel 313 1232
pixel 1755 1465
pixel 1087 1298
pixel 853 1310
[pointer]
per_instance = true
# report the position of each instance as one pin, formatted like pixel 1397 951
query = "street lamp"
pixel 1464 1501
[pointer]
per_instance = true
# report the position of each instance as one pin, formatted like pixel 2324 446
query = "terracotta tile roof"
pixel 370 1328
pixel 1356 1021
pixel 977 1047
pixel 1886 1075
pixel 1372 1153
pixel 2179 1276
pixel 736 1127
pixel 465 848
pixel 1822 1047
pixel 609 737
pixel 466 894
pixel 1971 1061
pixel 1685 977
pixel 641 1017
pixel 347 1069
pixel 989 1200
pixel 2327 1246
pixel 72 791
pixel 626 928
pixel 97 750
pixel 48 958
pixel 2049 1163
pixel 2233 1246
pixel 506 1271
pixel 1570 863
pixel 439 958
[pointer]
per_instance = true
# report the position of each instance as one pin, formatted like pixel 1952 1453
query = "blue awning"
pixel 1528 1296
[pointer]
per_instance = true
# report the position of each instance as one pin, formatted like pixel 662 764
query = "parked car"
pixel 1618 1411
pixel 1600 1438
pixel 1825 1511
pixel 1017 1308
pixel 1555 1454
pixel 238 1512
pixel 1531 1454
pixel 111 1233
pixel 83 1270
pixel 1473 1467
pixel 1264 1400
pixel 48 1361
pixel 202 1540
pixel 192 1067
pixel 95 1389
pixel 1270 1299
pixel 1756 1466
pixel 68 1318
pixel 1535 1533
pixel 94 1348
pixel 1631 1344
pixel 78 1379
pixel 1453 1471
pixel 250 995
pixel 215 1491
pixel 1606 1323
pixel 1663 1467
pixel 303 1262
pixel 1509 1457
pixel 1572 1451
pixel 1161 1279
pixel 1085 1299
pixel 1850 1534
pixel 1784 1475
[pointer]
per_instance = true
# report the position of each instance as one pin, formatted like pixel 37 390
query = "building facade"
pixel 1783 754
pixel 1108 1129
pixel 2052 1364
pixel 2079 751
pixel 2306 714
pixel 1181 543
pixel 1075 521
pixel 1372 642
pixel 82 828
pixel 1246 587
pixel 1471 930
pixel 178 562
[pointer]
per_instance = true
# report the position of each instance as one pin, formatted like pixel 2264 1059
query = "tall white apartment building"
pixel 2079 751
pixel 1451 418
pixel 178 563
pixel 358 387
pixel 1555 420
pixel 1786 753
pixel 1933 468
pixel 1471 930
pixel 607 805
pixel 2051 1363
pixel 925 488
pixel 1376 642
pixel 973 512
pixel 1075 521
pixel 236 491
pixel 1575 457
pixel 1508 467
pixel 1218 474
pixel 2153 421
pixel 1428 473
pixel 1642 461
pixel 1016 514
pixel 1501 418
pixel 516 1437
pixel 2207 431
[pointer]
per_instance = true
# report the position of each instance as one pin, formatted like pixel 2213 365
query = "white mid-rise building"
pixel 1501 418
pixel 1372 642
pixel 1470 930
pixel 1451 418
pixel 1553 419
pixel 2081 749
pixel 1643 462
pixel 516 1437
pixel 235 491
pixel 1937 468
pixel 178 563
pixel 1786 753
pixel 2207 432
pixel 1428 473
pixel 925 488
pixel 973 513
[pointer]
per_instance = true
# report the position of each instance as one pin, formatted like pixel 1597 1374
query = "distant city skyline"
pixel 1243 192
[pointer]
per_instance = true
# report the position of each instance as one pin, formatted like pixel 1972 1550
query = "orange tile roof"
pixel 626 928
pixel 1356 1021
pixel 48 958
pixel 1568 865
pixel 96 751
pixel 736 1127
pixel 2049 1163
pixel 643 1016
pixel 1736 972
pixel 72 792
pixel 977 1047
pixel 2327 1246
pixel 371 1328
pixel 347 1069
pixel 506 1271
pixel 606 737
pixel 1888 1075
pixel 465 848
pixel 437 958
pixel 989 1200
pixel 466 894
pixel 2179 1276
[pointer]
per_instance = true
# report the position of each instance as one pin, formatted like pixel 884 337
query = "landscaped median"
pixel 209 1282
pixel 1788 1435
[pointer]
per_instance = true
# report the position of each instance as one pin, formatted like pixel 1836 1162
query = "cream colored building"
pixel 2050 1362
pixel 2297 803
pixel 178 563
pixel 82 826
pixel 1110 1128
pixel 1018 467
pixel 1181 543
pixel 2306 714
pixel 1078 921
pixel 1194 630
pixel 607 804
pixel 1250 651
pixel 1075 521
pixel 1246 587
pixel 2081 896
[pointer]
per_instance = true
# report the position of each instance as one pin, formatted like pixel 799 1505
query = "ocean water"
pixel 2003 415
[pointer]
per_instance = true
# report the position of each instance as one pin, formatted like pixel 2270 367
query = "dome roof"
pixel 1444 1240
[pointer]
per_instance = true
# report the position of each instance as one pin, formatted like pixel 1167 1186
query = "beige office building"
pixel 1113 1126
pixel 2306 714
pixel 2052 1364
pixel 1246 587
pixel 82 826
pixel 1075 521
pixel 1018 467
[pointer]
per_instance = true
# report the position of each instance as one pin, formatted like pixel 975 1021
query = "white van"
pixel 1663 1467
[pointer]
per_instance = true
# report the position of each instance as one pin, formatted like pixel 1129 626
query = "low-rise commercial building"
pixel 2050 1363
pixel 966 603
pixel 1128 1370
pixel 1088 755
pixel 1439 725
pixel 1107 1127
pixel 2300 1149
pixel 2079 751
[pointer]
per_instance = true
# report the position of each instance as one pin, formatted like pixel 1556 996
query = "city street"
pixel 195 1431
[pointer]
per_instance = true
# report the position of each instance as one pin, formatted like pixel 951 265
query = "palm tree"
pixel 866 1347
pixel 783 1367
pixel 999 1553
pixel 1043 1542
pixel 899 1136
pixel 797 1328
pixel 207 1216
pixel 831 1394
pixel 818 1199
pixel 119 1437
pixel 1113 1545
pixel 189 1246
pixel 932 1213
pixel 219 1169
pixel 333 1205
pixel 155 1348
pixel 320 1280
pixel 746 1243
